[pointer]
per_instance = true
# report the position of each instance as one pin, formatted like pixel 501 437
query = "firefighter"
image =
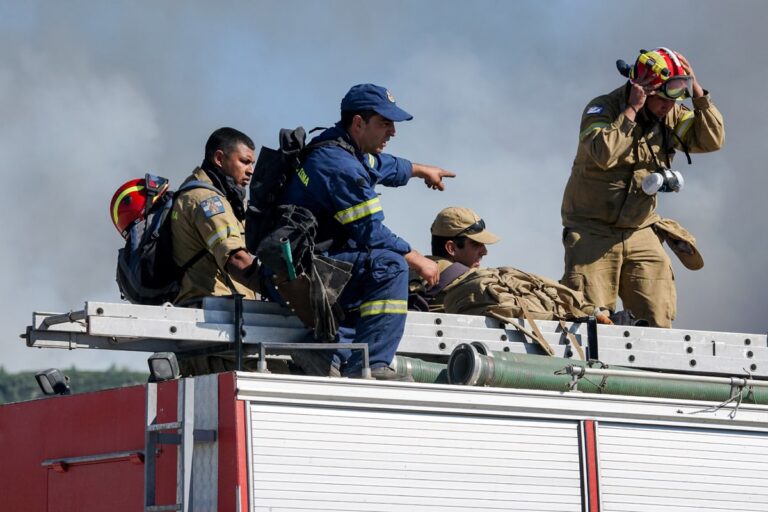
pixel 459 239
pixel 336 184
pixel 459 235
pixel 204 222
pixel 628 137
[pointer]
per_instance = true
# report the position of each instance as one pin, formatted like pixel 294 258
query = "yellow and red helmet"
pixel 667 76
pixel 133 200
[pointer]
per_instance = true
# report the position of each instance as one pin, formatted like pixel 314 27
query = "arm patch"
pixel 212 206
pixel 594 109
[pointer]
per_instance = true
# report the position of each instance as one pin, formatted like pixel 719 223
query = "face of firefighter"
pixel 470 255
pixel 659 106
pixel 238 163
pixel 372 136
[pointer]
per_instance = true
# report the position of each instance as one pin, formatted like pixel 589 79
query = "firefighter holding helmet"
pixel 612 234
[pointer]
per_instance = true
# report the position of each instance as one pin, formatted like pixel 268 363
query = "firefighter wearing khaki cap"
pixel 612 234
pixel 459 237
pixel 461 234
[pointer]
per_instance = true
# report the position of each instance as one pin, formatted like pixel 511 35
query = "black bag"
pixel 273 169
pixel 146 271
pixel 320 279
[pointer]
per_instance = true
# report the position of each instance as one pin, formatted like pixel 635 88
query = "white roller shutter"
pixel 324 458
pixel 652 468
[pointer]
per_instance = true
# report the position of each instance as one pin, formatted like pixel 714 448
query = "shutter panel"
pixel 683 469
pixel 324 458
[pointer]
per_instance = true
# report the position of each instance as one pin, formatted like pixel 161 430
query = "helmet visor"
pixel 676 88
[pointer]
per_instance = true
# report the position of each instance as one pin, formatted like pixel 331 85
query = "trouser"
pixel 629 264
pixel 375 302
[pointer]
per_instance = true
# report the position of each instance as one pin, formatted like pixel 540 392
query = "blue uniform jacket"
pixel 338 188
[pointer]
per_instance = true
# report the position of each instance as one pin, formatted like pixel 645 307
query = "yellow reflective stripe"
pixel 358 211
pixel 589 129
pixel 130 190
pixel 371 161
pixel 684 124
pixel 220 234
pixel 380 307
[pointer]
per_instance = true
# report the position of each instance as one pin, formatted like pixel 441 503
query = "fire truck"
pixel 620 418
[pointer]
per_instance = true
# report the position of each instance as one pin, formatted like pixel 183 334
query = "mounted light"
pixel 53 382
pixel 163 366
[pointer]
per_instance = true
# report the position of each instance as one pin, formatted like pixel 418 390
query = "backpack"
pixel 506 293
pixel 273 169
pixel 146 271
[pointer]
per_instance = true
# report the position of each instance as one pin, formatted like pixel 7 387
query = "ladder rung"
pixel 164 426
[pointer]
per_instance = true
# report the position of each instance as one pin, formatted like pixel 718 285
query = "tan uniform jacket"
pixel 202 219
pixel 604 191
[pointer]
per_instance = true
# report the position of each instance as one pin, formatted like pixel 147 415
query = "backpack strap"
pixel 193 184
pixel 574 342
pixel 338 141
pixel 199 184
pixel 447 276
pixel 536 334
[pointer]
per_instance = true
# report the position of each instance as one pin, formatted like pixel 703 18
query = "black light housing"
pixel 163 366
pixel 53 382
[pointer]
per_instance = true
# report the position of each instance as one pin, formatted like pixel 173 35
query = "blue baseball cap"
pixel 376 98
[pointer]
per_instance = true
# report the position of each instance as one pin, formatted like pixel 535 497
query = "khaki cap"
pixel 681 242
pixel 457 221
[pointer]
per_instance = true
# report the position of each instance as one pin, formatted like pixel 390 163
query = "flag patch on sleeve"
pixel 212 206
pixel 595 109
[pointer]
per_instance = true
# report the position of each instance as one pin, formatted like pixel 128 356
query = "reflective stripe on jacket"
pixel 338 188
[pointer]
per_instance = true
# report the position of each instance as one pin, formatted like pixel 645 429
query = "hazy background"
pixel 95 93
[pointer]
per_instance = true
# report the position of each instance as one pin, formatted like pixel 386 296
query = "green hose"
pixel 469 366
pixel 420 370
pixel 285 245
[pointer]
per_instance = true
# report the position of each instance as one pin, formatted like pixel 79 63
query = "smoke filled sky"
pixel 95 93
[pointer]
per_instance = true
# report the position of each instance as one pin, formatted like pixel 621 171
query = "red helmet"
pixel 668 78
pixel 131 201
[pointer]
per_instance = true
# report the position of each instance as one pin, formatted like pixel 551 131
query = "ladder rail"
pixel 433 335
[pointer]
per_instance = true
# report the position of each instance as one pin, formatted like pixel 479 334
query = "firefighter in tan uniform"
pixel 459 239
pixel 612 233
pixel 208 235
pixel 209 226
pixel 204 220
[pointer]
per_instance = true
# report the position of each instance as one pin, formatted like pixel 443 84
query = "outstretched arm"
pixel 432 176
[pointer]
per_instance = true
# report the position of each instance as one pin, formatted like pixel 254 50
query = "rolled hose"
pixel 469 366
pixel 420 370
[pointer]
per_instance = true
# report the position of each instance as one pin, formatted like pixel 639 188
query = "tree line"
pixel 22 386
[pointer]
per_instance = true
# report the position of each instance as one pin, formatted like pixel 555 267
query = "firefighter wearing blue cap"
pixel 337 186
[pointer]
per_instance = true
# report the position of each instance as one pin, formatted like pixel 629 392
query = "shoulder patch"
pixel 212 206
pixel 594 109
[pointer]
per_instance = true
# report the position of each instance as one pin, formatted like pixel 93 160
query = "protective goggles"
pixel 474 229
pixel 677 88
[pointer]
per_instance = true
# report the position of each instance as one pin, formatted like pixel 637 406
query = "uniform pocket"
pixel 570 238
pixel 574 281
pixel 386 264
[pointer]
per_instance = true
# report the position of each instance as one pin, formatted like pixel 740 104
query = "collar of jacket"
pixel 234 193
pixel 339 131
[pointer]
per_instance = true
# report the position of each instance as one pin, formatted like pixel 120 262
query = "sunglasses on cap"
pixel 676 88
pixel 473 229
